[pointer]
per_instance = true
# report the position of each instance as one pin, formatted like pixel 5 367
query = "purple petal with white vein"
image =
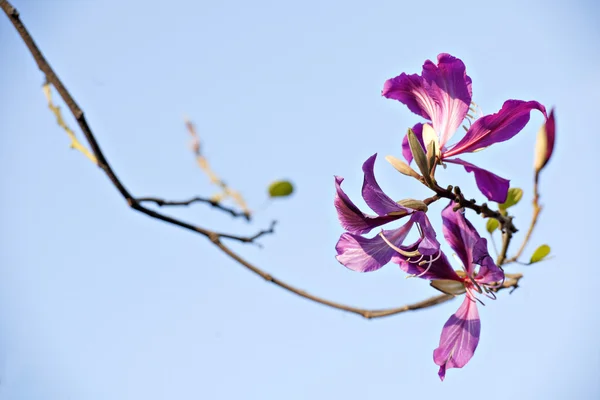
pixel 351 218
pixel 379 202
pixel 441 94
pixel 494 128
pixel 363 254
pixel 459 338
pixel 494 187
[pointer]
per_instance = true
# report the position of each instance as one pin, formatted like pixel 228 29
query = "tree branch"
pixel 215 237
pixel 161 203
pixel 537 209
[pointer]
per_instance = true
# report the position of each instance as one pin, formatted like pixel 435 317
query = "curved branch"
pixel 214 237
pixel 214 203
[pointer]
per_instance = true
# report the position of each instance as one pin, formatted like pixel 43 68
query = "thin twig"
pixel 162 202
pixel 510 282
pixel 537 209
pixel 454 193
pixel 215 237
pixel 214 179
pixel 75 143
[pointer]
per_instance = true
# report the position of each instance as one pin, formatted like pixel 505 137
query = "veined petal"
pixel 433 267
pixel 460 234
pixel 428 244
pixel 363 254
pixel 441 94
pixel 351 218
pixel 489 272
pixel 459 338
pixel 418 131
pixel 494 128
pixel 494 187
pixel 375 198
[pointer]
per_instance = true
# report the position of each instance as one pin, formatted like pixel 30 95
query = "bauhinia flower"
pixel 479 275
pixel 442 95
pixel 364 254
pixel 544 145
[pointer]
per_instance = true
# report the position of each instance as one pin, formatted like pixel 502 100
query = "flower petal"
pixel 441 94
pixel 494 187
pixel 495 128
pixel 428 244
pixel 363 254
pixel 460 235
pixel 459 338
pixel 379 202
pixel 438 269
pixel 351 218
pixel 418 131
pixel 489 272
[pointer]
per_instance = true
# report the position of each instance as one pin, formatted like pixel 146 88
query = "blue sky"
pixel 99 302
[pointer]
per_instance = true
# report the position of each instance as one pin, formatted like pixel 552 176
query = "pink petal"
pixel 363 254
pixel 459 338
pixel 351 218
pixel 375 198
pixel 441 94
pixel 494 187
pixel 494 128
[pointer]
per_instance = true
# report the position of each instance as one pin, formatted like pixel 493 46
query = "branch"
pixel 215 237
pixel 214 179
pixel 537 209
pixel 511 281
pixel 75 143
pixel 161 203
pixel 455 194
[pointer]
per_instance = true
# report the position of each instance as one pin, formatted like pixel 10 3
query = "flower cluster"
pixel 442 95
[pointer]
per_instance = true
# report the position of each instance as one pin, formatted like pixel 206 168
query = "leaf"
pixel 492 224
pixel 281 189
pixel 540 253
pixel 513 197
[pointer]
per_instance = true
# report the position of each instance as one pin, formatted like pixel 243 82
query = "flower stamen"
pixel 405 253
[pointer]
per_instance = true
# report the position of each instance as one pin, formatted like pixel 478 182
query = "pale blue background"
pixel 99 302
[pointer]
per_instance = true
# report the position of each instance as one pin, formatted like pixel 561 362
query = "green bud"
pixel 281 189
pixel 540 253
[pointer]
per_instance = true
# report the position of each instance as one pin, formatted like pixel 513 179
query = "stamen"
pixel 478 288
pixel 473 298
pixel 430 264
pixel 490 295
pixel 433 259
pixel 398 249
pixel 417 261
pixel 420 230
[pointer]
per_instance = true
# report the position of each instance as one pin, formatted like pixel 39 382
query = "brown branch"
pixel 212 176
pixel 537 209
pixel 214 237
pixel 511 281
pixel 508 228
pixel 161 203
pixel 454 193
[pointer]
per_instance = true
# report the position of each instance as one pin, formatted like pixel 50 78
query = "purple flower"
pixel 479 274
pixel 363 254
pixel 442 95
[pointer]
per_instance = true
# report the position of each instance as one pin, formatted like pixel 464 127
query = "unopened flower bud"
pixel 544 144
